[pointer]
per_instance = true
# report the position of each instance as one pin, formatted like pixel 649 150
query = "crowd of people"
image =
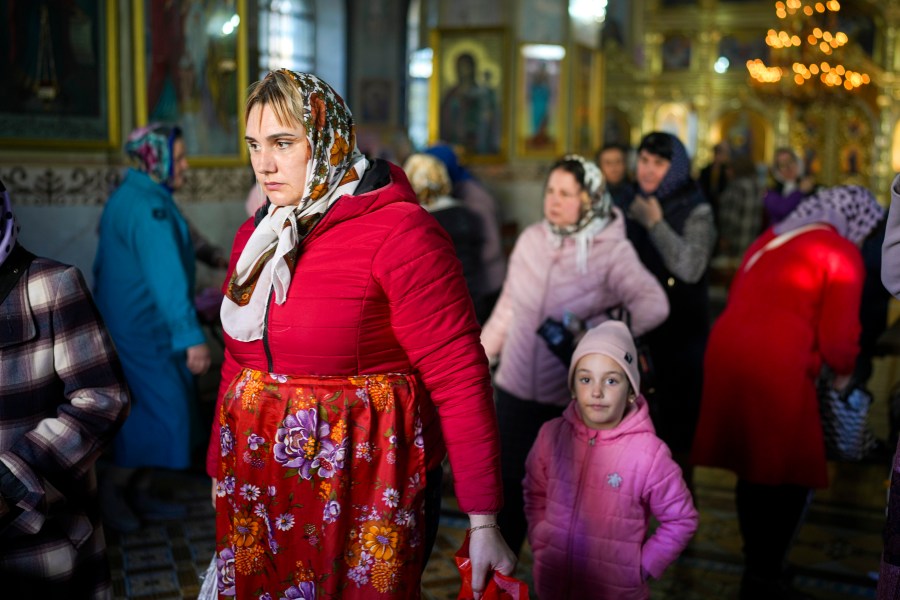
pixel 374 326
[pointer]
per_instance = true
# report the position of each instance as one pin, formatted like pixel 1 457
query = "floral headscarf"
pixel 334 169
pixel 150 150
pixel 592 219
pixel 9 230
pixel 851 209
pixel 679 172
pixel 600 201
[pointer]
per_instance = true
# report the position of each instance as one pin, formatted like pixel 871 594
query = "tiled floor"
pixel 836 554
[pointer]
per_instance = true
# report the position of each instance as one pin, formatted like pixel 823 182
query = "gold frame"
pixel 238 158
pixel 558 109
pixel 446 45
pixel 111 45
pixel 586 111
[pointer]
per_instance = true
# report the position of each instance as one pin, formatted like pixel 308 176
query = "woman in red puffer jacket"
pixel 352 361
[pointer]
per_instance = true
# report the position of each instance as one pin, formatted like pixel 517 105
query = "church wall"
pixel 58 191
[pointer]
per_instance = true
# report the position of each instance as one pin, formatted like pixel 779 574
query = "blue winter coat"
pixel 144 286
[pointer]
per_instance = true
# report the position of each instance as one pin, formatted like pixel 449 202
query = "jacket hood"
pixel 636 420
pixel 395 189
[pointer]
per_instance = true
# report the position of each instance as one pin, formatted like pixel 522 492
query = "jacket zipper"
pixel 265 338
pixel 584 467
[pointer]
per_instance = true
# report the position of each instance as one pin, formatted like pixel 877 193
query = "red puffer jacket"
pixel 378 289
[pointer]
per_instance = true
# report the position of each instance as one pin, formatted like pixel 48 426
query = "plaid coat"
pixel 62 398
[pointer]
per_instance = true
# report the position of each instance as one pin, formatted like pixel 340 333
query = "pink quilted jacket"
pixel 589 495
pixel 543 281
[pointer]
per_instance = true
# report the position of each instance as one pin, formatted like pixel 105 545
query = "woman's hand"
pixel 840 382
pixel 646 211
pixel 214 486
pixel 807 183
pixel 198 359
pixel 488 552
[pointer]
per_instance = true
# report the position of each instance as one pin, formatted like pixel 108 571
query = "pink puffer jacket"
pixel 543 281
pixel 589 496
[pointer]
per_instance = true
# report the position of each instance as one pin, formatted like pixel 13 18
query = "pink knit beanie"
pixel 610 338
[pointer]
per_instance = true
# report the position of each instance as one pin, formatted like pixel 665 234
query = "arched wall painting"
pixel 616 127
pixel 855 141
pixel 748 134
pixel 808 137
pixel 679 120
pixel 836 141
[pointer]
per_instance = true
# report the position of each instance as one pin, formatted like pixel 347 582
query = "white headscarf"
pixel 593 218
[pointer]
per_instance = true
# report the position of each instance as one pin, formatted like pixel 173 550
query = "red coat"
pixel 378 289
pixel 792 311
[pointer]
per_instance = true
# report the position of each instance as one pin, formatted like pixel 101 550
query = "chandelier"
pixel 805 52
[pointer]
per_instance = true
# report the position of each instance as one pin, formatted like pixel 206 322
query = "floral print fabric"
pixel 320 488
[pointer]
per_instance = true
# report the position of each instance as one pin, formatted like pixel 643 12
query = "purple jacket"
pixel 779 206
pixel 890 251
pixel 589 496
pixel 544 281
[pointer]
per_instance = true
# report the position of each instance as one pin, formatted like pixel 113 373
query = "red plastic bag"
pixel 500 587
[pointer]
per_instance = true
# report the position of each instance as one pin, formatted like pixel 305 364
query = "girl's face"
pixel 602 391
pixel 651 170
pixel 279 155
pixel 563 198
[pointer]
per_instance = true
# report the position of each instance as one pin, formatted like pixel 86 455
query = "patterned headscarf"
pixel 593 218
pixel 334 169
pixel 851 209
pixel 150 150
pixel 9 229
pixel 600 201
pixel 679 172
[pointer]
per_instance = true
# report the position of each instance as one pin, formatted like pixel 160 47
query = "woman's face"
pixel 179 164
pixel 787 167
pixel 612 165
pixel 563 198
pixel 651 170
pixel 279 155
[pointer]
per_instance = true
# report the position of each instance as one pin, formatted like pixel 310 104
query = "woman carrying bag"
pixel 792 308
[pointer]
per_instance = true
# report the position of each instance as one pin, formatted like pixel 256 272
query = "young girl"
pixel 594 478
pixel 577 260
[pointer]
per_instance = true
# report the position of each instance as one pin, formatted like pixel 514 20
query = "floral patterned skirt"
pixel 320 487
